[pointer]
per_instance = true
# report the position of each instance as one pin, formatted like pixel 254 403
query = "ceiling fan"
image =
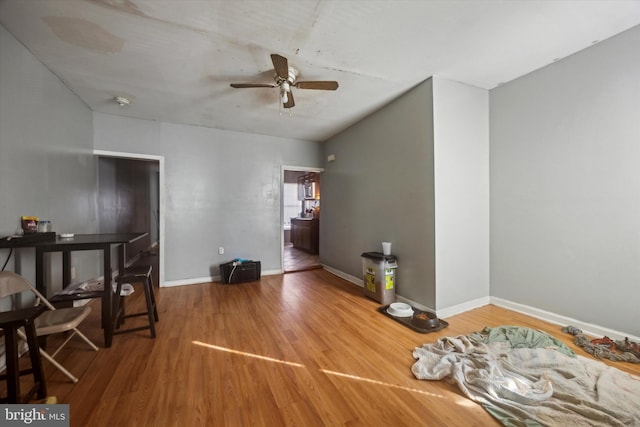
pixel 285 78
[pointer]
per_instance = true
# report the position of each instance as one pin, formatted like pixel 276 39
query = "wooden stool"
pixel 142 275
pixel 10 322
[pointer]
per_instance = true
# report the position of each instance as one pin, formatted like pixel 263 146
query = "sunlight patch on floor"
pixel 469 403
pixel 243 353
pixel 326 371
pixel 372 381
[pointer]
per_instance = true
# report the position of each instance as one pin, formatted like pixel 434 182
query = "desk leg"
pixel 66 269
pixel 13 375
pixel 107 299
pixel 122 251
pixel 40 285
pixel 122 256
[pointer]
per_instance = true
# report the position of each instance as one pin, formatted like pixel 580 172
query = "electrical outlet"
pixel 73 273
pixel 221 250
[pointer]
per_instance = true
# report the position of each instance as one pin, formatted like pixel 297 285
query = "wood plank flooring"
pixel 301 349
pixel 298 260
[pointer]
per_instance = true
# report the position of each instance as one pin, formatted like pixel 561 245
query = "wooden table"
pixel 85 242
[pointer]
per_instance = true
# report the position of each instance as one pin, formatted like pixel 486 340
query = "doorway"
pixel 300 223
pixel 130 192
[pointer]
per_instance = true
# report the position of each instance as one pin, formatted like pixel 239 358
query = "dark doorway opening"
pixel 129 201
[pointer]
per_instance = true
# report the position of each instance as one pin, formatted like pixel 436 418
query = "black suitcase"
pixel 240 271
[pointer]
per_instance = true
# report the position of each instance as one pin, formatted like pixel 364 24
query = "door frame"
pixel 161 197
pixel 294 169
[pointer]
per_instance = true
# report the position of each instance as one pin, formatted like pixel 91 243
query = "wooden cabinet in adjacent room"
pixel 305 234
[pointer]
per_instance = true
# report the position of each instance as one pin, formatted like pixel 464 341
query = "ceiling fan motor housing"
pixel 291 78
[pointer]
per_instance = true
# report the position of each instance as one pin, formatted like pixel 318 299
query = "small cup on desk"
pixel 386 248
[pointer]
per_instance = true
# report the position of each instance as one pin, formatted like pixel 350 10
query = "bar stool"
pixel 10 322
pixel 141 274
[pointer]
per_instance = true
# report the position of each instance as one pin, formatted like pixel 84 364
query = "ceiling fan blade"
pixel 245 85
pixel 281 65
pixel 319 85
pixel 290 103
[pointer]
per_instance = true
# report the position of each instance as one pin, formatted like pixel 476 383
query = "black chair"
pixel 141 274
pixel 10 322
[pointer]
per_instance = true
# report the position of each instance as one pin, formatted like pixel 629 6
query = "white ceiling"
pixel 175 59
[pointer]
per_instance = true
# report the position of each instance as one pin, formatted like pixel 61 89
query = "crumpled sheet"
pixel 532 386
pixel 521 337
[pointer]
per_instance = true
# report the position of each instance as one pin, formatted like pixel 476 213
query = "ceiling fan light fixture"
pixel 284 91
pixel 285 78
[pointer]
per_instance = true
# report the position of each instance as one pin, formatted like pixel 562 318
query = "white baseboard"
pixel 557 319
pixel 349 278
pixel 461 308
pixel 193 281
pixel 209 279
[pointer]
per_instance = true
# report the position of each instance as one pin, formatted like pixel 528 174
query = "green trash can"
pixel 379 273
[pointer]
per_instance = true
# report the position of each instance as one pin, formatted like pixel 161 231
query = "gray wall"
pixel 222 189
pixel 46 164
pixel 415 173
pixel 565 186
pixel 381 188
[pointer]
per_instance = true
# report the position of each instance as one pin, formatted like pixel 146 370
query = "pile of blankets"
pixel 524 377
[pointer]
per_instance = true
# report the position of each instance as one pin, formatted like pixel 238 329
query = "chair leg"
pixel 75 332
pixel 54 362
pixel 150 307
pixel 59 366
pixel 87 340
pixel 153 300
pixel 36 363
pixel 122 312
pixel 55 353
pixel 13 370
pixel 118 307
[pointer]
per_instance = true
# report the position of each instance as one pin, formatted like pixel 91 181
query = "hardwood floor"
pixel 298 260
pixel 301 349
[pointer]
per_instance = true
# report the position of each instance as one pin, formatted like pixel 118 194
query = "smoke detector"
pixel 122 101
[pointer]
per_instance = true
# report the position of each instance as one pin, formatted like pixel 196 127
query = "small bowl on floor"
pixel 425 319
pixel 400 309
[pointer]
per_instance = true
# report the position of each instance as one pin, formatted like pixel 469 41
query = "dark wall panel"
pixel 128 199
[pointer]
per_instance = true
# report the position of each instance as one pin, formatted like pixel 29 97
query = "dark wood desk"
pixel 85 242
